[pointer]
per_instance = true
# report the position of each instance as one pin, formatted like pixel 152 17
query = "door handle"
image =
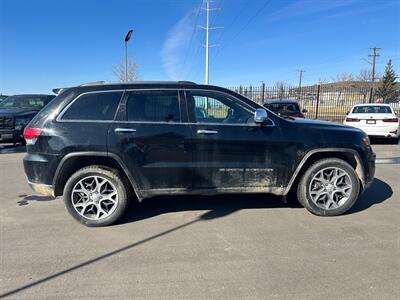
pixel 205 131
pixel 124 130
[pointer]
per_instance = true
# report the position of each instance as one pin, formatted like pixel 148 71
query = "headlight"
pixel 21 122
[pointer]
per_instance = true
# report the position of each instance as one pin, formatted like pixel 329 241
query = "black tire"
pixel 394 141
pixel 112 176
pixel 303 194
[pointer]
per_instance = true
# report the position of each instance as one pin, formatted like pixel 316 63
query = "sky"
pixel 46 44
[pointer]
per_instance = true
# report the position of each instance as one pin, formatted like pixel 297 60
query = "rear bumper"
pixel 11 136
pixel 43 189
pixel 386 131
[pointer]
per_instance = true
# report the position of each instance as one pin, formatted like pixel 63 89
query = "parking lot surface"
pixel 230 246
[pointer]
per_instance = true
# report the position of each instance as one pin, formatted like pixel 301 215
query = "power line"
pixel 241 10
pixel 248 23
pixel 192 37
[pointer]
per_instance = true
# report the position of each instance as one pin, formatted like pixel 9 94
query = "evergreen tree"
pixel 388 89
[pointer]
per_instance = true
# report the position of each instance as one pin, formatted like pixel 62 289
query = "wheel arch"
pixel 348 155
pixel 74 161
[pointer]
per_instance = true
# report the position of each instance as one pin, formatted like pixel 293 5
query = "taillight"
pixel 352 120
pixel 32 134
pixel 394 120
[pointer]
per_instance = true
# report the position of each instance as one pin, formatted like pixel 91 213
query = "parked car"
pixel 2 97
pixel 285 107
pixel 100 145
pixel 16 112
pixel 376 120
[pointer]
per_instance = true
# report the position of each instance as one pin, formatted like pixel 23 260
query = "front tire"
pixel 96 196
pixel 329 187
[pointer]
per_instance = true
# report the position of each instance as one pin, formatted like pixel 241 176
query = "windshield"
pixel 34 102
pixel 283 107
pixel 370 109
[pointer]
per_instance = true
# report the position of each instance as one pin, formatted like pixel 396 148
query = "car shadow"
pixel 218 206
pixel 226 204
pixel 28 198
pixel 378 192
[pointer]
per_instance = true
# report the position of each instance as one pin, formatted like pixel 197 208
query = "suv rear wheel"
pixel 329 187
pixel 96 196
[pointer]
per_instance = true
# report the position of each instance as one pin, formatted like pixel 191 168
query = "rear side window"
pixel 94 107
pixel 153 106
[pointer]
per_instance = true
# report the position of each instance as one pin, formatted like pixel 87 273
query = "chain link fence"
pixel 323 102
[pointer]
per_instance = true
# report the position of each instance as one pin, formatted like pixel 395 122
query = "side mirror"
pixel 304 111
pixel 260 116
pixel 347 113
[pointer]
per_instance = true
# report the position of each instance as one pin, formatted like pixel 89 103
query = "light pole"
pixel 127 38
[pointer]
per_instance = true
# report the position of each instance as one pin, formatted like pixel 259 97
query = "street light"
pixel 127 38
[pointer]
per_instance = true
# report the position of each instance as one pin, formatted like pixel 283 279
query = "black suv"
pixel 101 145
pixel 16 112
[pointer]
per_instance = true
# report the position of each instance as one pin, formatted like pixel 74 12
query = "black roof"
pixel 273 101
pixel 103 85
pixel 34 95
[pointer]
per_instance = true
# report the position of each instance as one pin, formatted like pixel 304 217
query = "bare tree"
pixel 365 75
pixel 323 81
pixel 132 73
pixel 343 77
pixel 280 89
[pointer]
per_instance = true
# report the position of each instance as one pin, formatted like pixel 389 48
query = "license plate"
pixel 371 122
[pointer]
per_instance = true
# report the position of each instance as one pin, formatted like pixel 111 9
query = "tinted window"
pixel 153 106
pixel 95 107
pixel 283 107
pixel 34 102
pixel 369 109
pixel 213 107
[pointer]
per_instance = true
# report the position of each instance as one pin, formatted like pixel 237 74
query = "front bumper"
pixel 11 136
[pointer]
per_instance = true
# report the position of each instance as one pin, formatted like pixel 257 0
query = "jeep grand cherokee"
pixel 101 145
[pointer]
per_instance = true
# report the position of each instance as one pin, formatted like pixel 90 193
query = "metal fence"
pixel 323 102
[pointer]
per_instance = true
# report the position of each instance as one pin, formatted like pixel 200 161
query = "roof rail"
pixel 186 82
pixel 93 83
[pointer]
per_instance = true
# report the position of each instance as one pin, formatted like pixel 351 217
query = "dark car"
pixel 2 97
pixel 285 107
pixel 16 112
pixel 102 145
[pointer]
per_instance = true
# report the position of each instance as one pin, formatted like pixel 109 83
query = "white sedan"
pixel 376 120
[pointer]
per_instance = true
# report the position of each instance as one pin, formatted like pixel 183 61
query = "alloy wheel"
pixel 330 188
pixel 94 197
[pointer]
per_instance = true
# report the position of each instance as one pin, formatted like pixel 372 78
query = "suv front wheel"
pixel 329 187
pixel 96 196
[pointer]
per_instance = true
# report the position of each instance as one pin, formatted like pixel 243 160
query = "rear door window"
pixel 94 107
pixel 153 106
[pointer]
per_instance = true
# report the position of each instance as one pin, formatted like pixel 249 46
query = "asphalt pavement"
pixel 220 247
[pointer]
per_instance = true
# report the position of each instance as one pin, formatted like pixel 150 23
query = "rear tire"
pixel 96 196
pixel 329 187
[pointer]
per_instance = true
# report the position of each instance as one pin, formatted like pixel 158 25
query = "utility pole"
pixel 373 55
pixel 301 71
pixel 207 45
pixel 127 38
